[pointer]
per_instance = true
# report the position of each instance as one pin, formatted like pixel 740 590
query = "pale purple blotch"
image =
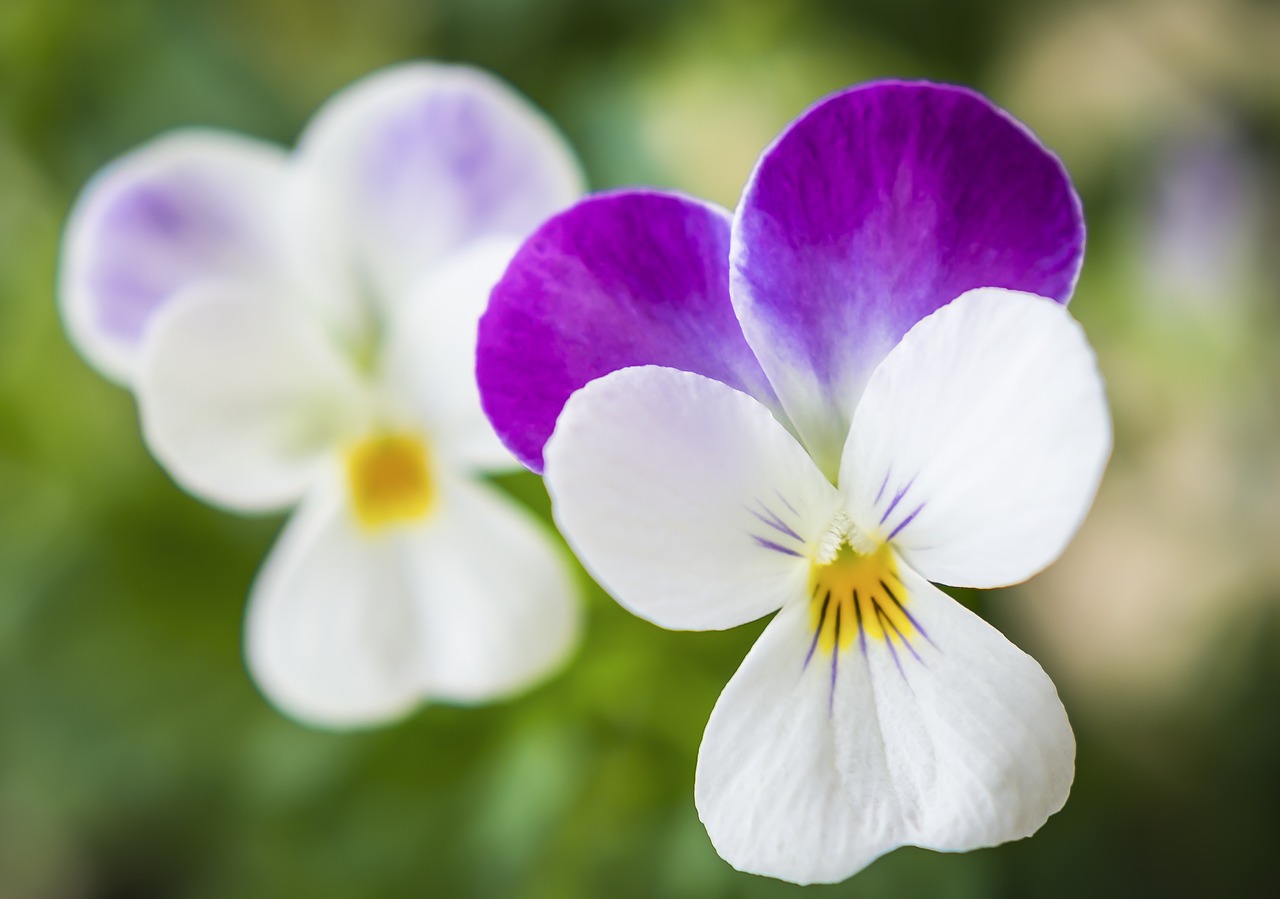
pixel 449 150
pixel 156 237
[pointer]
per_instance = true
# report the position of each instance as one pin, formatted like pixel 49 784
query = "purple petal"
pixel 629 278
pixel 874 208
pixel 420 160
pixel 183 209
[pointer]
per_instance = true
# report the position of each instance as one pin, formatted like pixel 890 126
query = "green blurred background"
pixel 137 760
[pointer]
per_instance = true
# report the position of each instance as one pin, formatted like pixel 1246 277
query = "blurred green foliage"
pixel 136 759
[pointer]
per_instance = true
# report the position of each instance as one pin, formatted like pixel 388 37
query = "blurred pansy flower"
pixel 864 381
pixel 299 329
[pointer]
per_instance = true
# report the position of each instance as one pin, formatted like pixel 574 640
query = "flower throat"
pixel 390 480
pixel 858 595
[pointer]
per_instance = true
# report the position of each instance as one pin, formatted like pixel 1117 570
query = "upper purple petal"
pixel 184 209
pixel 874 208
pixel 420 160
pixel 621 279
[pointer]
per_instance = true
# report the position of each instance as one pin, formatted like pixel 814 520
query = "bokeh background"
pixel 137 760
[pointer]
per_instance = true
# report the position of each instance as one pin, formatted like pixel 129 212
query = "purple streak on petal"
pixel 862 631
pixel 883 484
pixel 835 661
pixel 886 620
pixel 629 278
pixel 783 499
pixel 817 632
pixel 902 607
pixel 876 207
pixel 906 521
pixel 772 520
pixel 888 640
pixel 776 547
pixel 896 499
pixel 808 656
pixel 916 625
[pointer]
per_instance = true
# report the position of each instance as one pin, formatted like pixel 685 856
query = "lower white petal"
pixel 351 626
pixel 949 727
pixel 686 499
pixel 242 396
pixel 431 355
pixel 497 602
pixel 821 756
pixel 767 785
pixel 331 635
pixel 980 440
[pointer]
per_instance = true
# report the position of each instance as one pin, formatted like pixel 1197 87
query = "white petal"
pixel 812 765
pixel 767 787
pixel 420 159
pixel 498 606
pixel 980 440
pixel 956 742
pixel 431 355
pixel 242 396
pixel 184 209
pixel 685 498
pixel 331 637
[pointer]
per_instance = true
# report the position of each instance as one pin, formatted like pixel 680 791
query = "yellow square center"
pixel 859 595
pixel 390 480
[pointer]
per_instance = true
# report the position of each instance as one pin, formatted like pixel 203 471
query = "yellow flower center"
pixel 859 595
pixel 390 480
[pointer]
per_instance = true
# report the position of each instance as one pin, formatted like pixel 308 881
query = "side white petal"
pixel 242 396
pixel 685 498
pixel 980 440
pixel 416 161
pixel 430 357
pixel 497 604
pixel 330 634
pixel 767 786
pixel 187 208
pixel 955 741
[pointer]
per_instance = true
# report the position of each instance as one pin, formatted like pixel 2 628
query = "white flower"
pixel 299 329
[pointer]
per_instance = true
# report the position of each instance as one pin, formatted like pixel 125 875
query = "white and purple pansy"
pixel 863 381
pixel 299 329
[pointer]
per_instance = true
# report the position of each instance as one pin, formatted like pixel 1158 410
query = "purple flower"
pixel 862 381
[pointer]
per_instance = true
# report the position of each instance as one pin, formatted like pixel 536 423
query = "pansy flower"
pixel 862 382
pixel 299 330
